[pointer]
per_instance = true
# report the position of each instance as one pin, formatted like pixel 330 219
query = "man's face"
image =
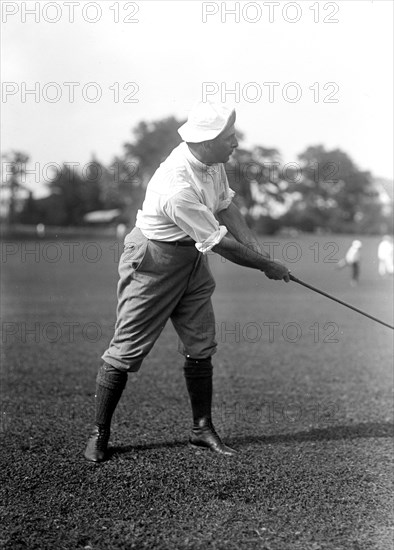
pixel 222 147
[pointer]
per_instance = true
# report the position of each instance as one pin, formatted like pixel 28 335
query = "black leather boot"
pixel 204 435
pixel 198 376
pixel 97 446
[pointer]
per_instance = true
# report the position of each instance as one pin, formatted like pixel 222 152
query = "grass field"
pixel 303 390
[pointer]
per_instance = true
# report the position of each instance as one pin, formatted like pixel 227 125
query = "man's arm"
pixel 247 251
pixel 240 254
pixel 232 218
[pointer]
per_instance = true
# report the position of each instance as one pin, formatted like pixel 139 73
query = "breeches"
pixel 160 281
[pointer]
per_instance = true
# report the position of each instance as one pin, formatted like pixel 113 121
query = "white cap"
pixel 206 121
pixel 357 244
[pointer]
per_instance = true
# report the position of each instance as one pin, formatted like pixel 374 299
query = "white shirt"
pixel 385 250
pixel 353 255
pixel 182 198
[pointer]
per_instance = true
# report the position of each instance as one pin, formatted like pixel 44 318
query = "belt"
pixel 174 243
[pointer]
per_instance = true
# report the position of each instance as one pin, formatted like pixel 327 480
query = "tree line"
pixel 322 190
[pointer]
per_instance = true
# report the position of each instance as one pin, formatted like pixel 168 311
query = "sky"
pixel 299 74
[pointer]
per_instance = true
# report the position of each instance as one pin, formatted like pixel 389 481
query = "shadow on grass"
pixel 146 447
pixel 356 431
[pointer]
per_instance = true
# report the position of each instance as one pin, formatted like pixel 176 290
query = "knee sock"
pixel 198 376
pixel 110 384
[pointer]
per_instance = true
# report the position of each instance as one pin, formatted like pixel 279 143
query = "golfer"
pixel 352 259
pixel 164 272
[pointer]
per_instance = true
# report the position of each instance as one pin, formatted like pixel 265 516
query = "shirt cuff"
pixel 212 240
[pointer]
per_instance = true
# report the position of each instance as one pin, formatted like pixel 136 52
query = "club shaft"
pixel 296 280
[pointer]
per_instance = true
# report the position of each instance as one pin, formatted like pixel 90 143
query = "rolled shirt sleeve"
pixel 195 219
pixel 212 240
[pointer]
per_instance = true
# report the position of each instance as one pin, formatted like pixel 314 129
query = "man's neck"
pixel 197 154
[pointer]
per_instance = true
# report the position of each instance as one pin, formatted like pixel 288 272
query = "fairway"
pixel 302 389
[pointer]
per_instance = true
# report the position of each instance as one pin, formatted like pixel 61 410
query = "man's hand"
pixel 276 270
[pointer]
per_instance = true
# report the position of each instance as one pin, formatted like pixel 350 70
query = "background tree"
pixel 332 193
pixel 253 175
pixel 67 194
pixel 153 142
pixel 30 212
pixel 125 189
pixel 13 177
pixel 91 186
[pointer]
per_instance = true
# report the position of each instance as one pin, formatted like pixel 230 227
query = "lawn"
pixel 303 390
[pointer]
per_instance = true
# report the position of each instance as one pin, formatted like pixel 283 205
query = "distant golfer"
pixel 385 256
pixel 352 259
pixel 164 272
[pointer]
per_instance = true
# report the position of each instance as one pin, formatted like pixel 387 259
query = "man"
pixel 352 259
pixel 164 273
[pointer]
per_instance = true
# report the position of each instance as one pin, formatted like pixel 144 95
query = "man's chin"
pixel 225 158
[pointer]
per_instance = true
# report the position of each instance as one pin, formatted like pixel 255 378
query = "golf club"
pixel 296 280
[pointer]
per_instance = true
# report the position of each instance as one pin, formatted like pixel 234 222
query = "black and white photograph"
pixel 196 219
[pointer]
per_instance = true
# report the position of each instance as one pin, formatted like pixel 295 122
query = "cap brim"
pixel 195 135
